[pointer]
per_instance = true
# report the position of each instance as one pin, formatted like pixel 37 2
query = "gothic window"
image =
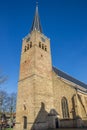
pixel 40 44
pixel 25 122
pixel 65 110
pixel 43 46
pixel 30 44
pixel 25 49
pixel 28 47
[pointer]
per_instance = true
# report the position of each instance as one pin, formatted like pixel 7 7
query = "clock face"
pixel 28 39
pixel 43 39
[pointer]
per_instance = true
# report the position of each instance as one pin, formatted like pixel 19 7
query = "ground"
pixel 60 129
pixel 69 129
pixel 9 129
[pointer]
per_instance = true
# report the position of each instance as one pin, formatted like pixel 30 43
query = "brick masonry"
pixel 40 90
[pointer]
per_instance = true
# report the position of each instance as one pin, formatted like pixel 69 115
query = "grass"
pixel 9 129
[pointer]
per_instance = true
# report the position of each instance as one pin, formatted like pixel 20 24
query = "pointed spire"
pixel 36 22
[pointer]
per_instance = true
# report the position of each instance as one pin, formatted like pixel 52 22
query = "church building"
pixel 47 97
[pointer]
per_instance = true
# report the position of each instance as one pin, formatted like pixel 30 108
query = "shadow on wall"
pixel 45 120
pixel 74 106
pixel 77 121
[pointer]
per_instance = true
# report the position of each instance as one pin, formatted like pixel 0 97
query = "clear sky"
pixel 63 21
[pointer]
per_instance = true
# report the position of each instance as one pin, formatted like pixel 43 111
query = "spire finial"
pixel 36 22
pixel 36 3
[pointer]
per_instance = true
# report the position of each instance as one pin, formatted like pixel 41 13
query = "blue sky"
pixel 63 21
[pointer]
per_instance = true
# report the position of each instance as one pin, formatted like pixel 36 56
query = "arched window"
pixel 27 46
pixel 40 44
pixel 30 44
pixel 65 110
pixel 25 122
pixel 25 49
pixel 43 46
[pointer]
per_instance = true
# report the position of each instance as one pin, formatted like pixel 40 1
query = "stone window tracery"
pixel 65 110
pixel 27 47
pixel 42 46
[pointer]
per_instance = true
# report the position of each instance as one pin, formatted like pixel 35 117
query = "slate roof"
pixel 69 78
pixel 36 22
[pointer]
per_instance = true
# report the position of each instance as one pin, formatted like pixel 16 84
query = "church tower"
pixel 35 90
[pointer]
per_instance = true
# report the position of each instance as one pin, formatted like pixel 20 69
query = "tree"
pixel 3 97
pixel 12 102
pixel 7 102
pixel 2 79
pixel 2 93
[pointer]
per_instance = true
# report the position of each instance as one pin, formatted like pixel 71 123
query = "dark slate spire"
pixel 36 22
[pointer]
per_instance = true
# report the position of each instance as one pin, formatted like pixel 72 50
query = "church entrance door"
pixel 25 122
pixel 56 123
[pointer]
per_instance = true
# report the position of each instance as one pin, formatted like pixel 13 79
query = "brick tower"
pixel 35 90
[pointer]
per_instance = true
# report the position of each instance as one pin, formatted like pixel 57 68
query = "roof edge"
pixel 69 78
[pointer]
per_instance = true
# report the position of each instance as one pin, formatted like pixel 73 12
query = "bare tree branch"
pixel 7 102
pixel 3 79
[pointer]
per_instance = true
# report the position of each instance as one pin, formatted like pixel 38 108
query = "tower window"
pixel 65 110
pixel 30 44
pixel 25 49
pixel 43 46
pixel 28 47
pixel 25 122
pixel 40 44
